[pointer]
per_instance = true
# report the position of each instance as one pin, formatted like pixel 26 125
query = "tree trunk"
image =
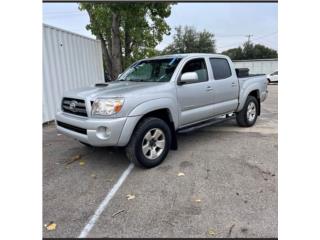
pixel 106 56
pixel 126 53
pixel 105 52
pixel 127 49
pixel 116 46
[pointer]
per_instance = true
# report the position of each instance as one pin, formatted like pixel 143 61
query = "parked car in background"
pixel 272 77
pixel 155 98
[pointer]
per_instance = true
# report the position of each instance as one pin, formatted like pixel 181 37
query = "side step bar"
pixel 207 123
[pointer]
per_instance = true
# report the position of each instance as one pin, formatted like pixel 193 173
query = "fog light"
pixel 103 133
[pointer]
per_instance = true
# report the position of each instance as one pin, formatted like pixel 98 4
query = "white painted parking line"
pixel 105 202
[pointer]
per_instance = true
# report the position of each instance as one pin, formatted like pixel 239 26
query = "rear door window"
pixel 220 68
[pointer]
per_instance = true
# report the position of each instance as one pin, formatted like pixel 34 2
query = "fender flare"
pixel 244 95
pixel 157 104
pixel 142 109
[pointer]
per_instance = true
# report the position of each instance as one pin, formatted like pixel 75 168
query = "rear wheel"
pixel 150 143
pixel 249 113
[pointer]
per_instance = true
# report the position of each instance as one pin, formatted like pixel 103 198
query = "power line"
pixel 256 38
pixel 54 15
pixel 226 36
pixel 267 35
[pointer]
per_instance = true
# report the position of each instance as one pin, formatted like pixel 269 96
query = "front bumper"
pixel 89 130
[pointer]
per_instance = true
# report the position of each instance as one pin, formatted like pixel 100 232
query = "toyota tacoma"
pixel 157 97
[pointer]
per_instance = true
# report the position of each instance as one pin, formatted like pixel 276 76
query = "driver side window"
pixel 198 66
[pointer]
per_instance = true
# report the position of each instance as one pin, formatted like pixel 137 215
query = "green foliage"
pixel 141 26
pixel 251 51
pixel 188 40
pixel 234 53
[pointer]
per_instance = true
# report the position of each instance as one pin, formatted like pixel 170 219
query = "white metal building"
pixel 256 66
pixel 69 61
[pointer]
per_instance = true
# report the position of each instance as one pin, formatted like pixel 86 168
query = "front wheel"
pixel 249 113
pixel 150 143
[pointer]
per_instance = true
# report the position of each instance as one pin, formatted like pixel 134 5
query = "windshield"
pixel 158 70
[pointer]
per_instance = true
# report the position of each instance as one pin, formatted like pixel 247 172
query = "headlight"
pixel 107 106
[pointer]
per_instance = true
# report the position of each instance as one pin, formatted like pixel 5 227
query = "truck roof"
pixel 183 55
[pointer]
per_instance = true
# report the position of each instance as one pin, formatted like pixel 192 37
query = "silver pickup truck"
pixel 155 98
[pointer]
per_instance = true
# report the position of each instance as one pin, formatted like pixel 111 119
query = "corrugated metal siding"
pixel 69 61
pixel 265 66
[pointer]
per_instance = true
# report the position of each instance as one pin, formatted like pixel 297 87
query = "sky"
pixel 231 23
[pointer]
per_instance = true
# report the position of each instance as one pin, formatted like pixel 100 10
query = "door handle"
pixel 209 88
pixel 233 84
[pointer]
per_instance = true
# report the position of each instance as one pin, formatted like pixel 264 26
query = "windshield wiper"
pixel 139 80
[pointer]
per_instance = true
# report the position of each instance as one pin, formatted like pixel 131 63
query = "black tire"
pixel 134 148
pixel 269 81
pixel 242 118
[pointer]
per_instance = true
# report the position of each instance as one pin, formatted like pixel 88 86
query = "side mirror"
pixel 188 77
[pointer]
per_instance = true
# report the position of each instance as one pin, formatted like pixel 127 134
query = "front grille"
pixel 72 128
pixel 74 106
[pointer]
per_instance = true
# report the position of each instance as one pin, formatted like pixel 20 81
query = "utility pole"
pixel 249 37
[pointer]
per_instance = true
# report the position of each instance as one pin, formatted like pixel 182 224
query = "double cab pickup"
pixel 157 97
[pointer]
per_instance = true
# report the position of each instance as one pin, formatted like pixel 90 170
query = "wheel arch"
pixel 149 109
pixel 255 92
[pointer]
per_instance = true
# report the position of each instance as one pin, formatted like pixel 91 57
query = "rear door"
pixel 195 99
pixel 225 85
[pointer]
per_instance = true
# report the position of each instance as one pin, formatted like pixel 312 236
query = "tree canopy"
pixel 251 51
pixel 128 31
pixel 188 40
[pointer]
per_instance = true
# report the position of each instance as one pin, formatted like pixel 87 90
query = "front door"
pixel 195 99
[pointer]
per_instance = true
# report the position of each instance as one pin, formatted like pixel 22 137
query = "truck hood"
pixel 115 89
